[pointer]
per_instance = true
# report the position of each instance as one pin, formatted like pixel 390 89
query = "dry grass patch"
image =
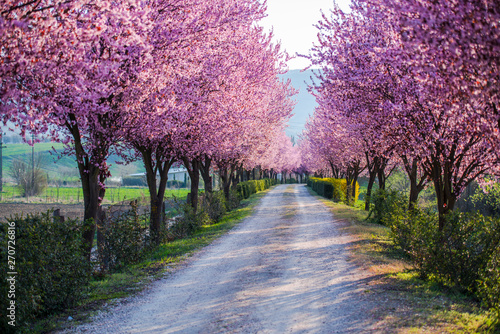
pixel 371 248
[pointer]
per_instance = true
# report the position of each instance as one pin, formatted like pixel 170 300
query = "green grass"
pixel 53 165
pixel 407 304
pixel 75 194
pixel 17 149
pixel 160 262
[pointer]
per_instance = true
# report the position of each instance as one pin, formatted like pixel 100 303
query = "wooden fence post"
pixel 57 216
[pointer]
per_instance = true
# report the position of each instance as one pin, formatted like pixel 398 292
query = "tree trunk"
pixel 193 168
pixel 156 191
pixel 371 182
pixel 226 180
pixel 416 184
pixel 236 177
pixel 205 174
pixel 352 175
pixel 372 166
pixel 446 199
pixel 91 204
pixel 381 177
pixel 91 177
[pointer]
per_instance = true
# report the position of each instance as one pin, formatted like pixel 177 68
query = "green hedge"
pixel 465 254
pixel 134 181
pixel 52 271
pixel 334 189
pixel 124 239
pixel 247 188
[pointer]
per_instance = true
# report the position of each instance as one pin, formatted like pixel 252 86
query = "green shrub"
pixel 53 272
pixel 383 203
pixel 349 199
pixel 252 188
pixel 31 180
pixel 334 189
pixel 124 240
pixel 415 233
pixel 488 202
pixel 233 201
pixel 240 191
pixel 247 188
pixel 188 223
pixel 139 181
pixel 489 283
pixel 339 193
pixel 328 190
pixel 466 246
pixel 175 184
pixel 456 256
pixel 215 205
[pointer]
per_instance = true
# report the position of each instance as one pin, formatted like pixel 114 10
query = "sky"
pixel 292 22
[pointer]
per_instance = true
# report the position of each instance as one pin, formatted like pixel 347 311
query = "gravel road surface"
pixel 282 270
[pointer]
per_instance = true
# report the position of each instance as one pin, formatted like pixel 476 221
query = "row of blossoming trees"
pixel 411 83
pixel 165 81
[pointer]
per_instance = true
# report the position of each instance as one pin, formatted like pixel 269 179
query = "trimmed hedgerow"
pixel 247 188
pixel 334 189
pixel 124 239
pixel 52 270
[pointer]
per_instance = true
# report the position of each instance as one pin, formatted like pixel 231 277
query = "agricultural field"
pixel 73 195
pixel 70 200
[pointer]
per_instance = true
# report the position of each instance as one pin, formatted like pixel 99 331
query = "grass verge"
pixel 162 261
pixel 406 304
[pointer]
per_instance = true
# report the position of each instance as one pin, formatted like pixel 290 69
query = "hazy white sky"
pixel 293 24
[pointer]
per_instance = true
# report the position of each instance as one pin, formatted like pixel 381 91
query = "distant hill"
pixel 305 101
pixel 63 168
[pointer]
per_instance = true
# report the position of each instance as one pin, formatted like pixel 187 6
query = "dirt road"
pixel 282 270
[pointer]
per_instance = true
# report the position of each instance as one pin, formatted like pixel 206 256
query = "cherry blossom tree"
pixel 67 67
pixel 455 57
pixel 179 115
pixel 387 67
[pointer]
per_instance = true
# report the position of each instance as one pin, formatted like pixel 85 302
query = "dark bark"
pixel 91 204
pixel 369 188
pixel 417 184
pixel 205 174
pixel 91 177
pixel 352 174
pixel 226 173
pixel 382 177
pixel 193 168
pixel 155 164
pixel 445 199
pixel 451 176
pixel 225 180
pixel 372 165
pixel 336 172
pixel 235 176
